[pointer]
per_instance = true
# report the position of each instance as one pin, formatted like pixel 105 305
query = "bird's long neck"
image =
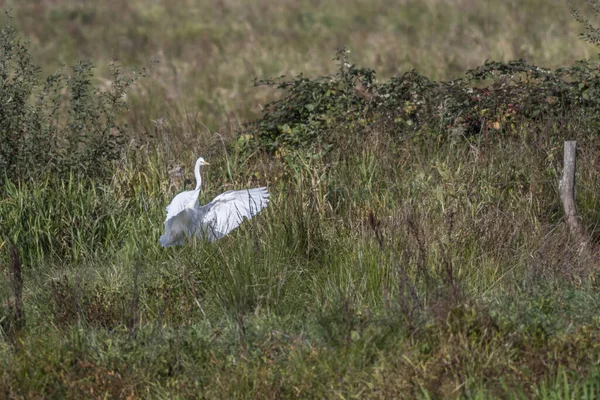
pixel 198 177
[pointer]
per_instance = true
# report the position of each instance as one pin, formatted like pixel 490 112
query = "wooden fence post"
pixel 567 197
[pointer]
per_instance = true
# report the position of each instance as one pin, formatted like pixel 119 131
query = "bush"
pixel 61 125
pixel 311 108
pixel 321 113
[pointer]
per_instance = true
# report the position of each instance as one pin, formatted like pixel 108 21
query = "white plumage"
pixel 212 221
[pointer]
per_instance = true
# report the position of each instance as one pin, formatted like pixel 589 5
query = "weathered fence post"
pixel 567 197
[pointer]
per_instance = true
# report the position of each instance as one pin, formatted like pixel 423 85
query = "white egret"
pixel 212 221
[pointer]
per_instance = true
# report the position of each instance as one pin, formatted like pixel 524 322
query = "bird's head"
pixel 201 162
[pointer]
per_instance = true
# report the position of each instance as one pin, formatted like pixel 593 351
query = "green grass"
pixel 396 266
pixel 304 301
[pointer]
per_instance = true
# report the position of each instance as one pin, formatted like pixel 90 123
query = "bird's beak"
pixel 205 163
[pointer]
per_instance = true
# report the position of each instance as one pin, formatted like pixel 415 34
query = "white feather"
pixel 185 218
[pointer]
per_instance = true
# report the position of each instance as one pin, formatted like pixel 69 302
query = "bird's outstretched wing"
pixel 227 211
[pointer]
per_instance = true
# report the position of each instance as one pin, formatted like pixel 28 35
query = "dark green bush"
pixel 312 108
pixel 320 113
pixel 63 124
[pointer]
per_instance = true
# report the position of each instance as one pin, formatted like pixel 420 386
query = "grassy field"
pixel 411 264
pixel 209 52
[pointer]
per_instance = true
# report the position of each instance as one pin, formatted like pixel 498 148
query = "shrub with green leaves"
pixel 312 108
pixel 64 134
pixel 60 124
pixel 494 97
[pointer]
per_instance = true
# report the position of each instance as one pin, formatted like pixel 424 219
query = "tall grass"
pixel 398 270
pixel 423 265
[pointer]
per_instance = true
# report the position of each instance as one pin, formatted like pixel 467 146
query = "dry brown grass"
pixel 210 51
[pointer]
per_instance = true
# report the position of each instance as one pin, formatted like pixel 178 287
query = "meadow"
pixel 415 245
